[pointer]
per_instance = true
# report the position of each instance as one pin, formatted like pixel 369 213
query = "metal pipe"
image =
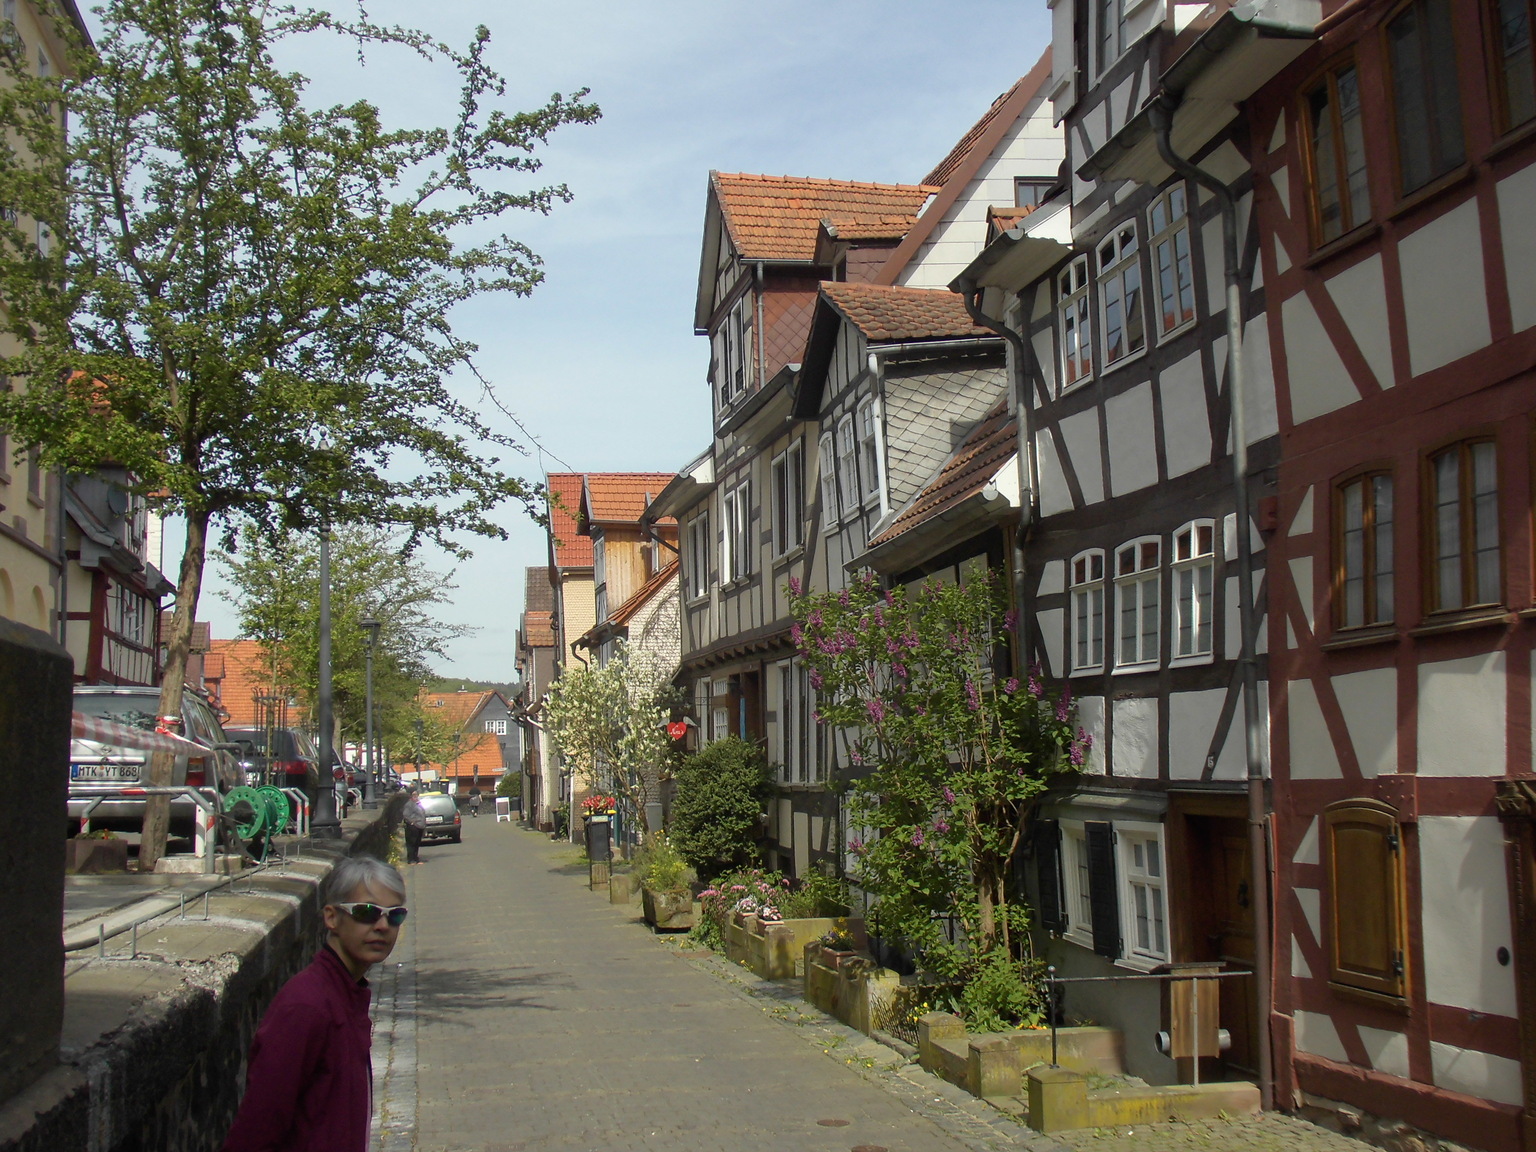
pixel 969 344
pixel 1160 115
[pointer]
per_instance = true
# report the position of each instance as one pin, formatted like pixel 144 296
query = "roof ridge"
pixel 827 181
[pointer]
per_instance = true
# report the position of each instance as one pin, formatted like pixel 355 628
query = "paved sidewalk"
pixel 522 1013
pixel 545 1018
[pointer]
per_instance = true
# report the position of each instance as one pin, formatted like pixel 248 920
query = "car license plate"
pixel 434 819
pixel 115 773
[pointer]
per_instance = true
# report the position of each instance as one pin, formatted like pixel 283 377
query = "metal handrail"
pixel 206 798
pixel 1053 981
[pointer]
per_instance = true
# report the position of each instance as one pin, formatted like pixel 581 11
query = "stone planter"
pixel 775 949
pixel 90 856
pixel 849 986
pixel 668 911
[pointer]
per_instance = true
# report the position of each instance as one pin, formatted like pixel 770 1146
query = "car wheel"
pixel 458 839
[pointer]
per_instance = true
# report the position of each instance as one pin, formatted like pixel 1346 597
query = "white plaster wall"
pixel 1369 703
pixel 1307 846
pixel 1054 495
pixel 1517 192
pixel 1465 913
pixel 1476 1073
pixel 1301 576
pixel 1044 345
pixel 1461 716
pixel 1261 414
pixel 1311 902
pixel 1132 440
pixel 1388 1051
pixel 1080 433
pixel 1444 296
pixel 1301 523
pixel 1215 283
pixel 1052 622
pixel 1233 630
pixel 1299 966
pixel 1135 732
pixel 1315 1033
pixel 1319 383
pixel 1053 578
pixel 1192 718
pixel 1186 424
pixel 1360 294
pixel 1312 754
pixel 1090 718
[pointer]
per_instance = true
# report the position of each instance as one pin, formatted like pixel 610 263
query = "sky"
pixel 600 364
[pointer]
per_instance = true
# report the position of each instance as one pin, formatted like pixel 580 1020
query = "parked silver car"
pixel 96 769
pixel 443 819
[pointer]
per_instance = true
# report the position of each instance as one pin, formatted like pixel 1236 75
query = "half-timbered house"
pixel 535 673
pixel 1395 179
pixel 1140 520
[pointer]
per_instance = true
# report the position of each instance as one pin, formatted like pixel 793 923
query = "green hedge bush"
pixel 719 802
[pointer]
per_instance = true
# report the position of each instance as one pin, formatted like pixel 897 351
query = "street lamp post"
pixel 370 765
pixel 325 824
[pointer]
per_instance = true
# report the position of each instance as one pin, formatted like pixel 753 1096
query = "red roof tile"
pixel 620 497
pixel 884 312
pixel 965 473
pixel 869 228
pixel 777 217
pixel 626 611
pixel 539 629
pixel 236 672
pixel 572 549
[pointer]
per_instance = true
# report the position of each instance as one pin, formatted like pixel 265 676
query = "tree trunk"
pixel 157 809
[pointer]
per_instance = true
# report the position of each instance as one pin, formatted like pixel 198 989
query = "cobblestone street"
pixel 524 1013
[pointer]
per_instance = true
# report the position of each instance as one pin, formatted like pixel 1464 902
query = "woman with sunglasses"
pixel 309 1079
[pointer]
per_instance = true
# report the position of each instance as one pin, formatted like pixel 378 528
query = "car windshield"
pixel 120 708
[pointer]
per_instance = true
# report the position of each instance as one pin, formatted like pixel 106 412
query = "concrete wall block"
pixel 994 1067
pixel 36 686
pixel 1058 1099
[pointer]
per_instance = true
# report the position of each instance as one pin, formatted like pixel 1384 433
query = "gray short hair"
pixel 353 871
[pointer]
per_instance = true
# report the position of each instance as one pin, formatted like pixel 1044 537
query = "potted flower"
pixel 665 894
pixel 95 852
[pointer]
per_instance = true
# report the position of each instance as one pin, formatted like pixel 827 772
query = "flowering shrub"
pixel 951 754
pixel 597 805
pixel 658 865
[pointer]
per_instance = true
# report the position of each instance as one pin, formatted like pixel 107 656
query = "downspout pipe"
pixel 1160 114
pixel 970 293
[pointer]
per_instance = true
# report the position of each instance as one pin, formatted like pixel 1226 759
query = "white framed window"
pixel 1110 34
pixel 788 499
pixel 1145 893
pixel 1138 602
pixel 1076 884
pixel 847 465
pixel 827 468
pixel 703 697
pixel 499 727
pixel 797 729
pixel 1076 335
pixel 1121 319
pixel 1087 591
pixel 1029 191
pixel 1172 265
pixel 696 574
pixel 733 352
pixel 1194 579
pixel 736 560
pixel 870 486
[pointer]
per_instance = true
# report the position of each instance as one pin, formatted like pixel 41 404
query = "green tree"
pixel 275 590
pixel 951 754
pixel 245 299
pixel 610 725
pixel 718 806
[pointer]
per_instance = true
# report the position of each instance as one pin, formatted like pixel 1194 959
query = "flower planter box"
pixel 849 986
pixel 91 856
pixel 668 911
pixel 775 949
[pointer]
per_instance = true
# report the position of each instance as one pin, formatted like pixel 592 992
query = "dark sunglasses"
pixel 365 913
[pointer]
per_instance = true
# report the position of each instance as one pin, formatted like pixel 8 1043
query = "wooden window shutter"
pixel 1365 878
pixel 1048 867
pixel 1103 888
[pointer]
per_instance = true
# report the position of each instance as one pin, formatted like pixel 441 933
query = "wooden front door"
pixel 1217 920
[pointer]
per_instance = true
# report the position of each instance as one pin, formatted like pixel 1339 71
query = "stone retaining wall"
pixel 153 1053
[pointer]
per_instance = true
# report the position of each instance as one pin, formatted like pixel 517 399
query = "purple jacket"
pixel 309 1080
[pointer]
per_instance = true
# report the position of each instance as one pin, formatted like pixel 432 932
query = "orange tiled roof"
pixel 236 672
pixel 481 749
pixel 964 474
pixel 777 217
pixel 885 312
pixel 572 549
pixel 620 497
pixel 539 629
pixel 626 611
pixel 948 166
pixel 866 228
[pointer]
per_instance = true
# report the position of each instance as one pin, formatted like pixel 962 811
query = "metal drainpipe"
pixel 761 335
pixel 971 294
pixel 1161 116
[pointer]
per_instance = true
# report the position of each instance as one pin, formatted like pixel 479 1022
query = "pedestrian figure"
pixel 474 801
pixel 415 826
pixel 309 1078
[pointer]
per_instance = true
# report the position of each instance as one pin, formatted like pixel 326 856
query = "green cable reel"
pixel 257 810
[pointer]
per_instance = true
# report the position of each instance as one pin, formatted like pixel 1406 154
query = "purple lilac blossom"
pixel 949 795
pixel 941 825
pixel 917 838
pixel 972 695
pixel 876 709
pixel 1010 620
pixel 1011 685
pixel 794 585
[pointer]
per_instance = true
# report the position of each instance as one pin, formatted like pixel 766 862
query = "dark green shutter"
pixel 1103 888
pixel 1048 866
